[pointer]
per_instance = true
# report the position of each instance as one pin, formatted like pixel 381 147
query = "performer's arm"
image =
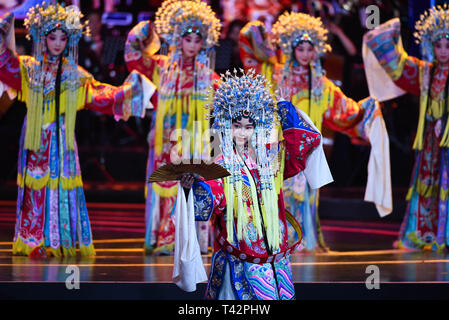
pixel 384 42
pixel 209 197
pixel 141 45
pixel 254 47
pixel 300 139
pixel 9 61
pixel 348 116
pixel 129 99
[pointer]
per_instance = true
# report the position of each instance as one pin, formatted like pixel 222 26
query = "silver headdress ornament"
pixel 432 26
pixel 247 96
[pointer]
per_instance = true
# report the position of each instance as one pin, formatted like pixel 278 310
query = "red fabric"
pixel 33 211
pixel 9 67
pixel 409 79
pixel 298 146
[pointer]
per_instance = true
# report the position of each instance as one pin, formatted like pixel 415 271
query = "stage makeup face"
pixel 304 53
pixel 56 42
pixel 191 45
pixel 242 130
pixel 441 49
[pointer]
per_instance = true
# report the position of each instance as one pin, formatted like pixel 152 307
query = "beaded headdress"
pixel 175 18
pixel 42 19
pixel 247 96
pixel 431 26
pixel 292 28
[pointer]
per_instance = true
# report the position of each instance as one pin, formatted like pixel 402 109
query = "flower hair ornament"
pixel 40 21
pixel 432 26
pixel 247 96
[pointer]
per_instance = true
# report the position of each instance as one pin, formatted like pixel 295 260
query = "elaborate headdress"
pixel 288 31
pixel 292 28
pixel 247 96
pixel 431 26
pixel 41 20
pixel 176 18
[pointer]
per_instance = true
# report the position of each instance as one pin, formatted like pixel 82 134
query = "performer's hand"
pixel 283 93
pixel 187 180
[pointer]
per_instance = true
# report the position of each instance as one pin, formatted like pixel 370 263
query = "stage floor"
pixel 121 270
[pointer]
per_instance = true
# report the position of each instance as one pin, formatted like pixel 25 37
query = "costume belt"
pixel 261 259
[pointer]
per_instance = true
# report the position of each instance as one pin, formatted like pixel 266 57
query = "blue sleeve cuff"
pixel 204 200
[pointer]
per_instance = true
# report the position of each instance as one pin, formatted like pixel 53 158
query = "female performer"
pixel 51 209
pixel 190 29
pixel 252 254
pixel 425 225
pixel 302 40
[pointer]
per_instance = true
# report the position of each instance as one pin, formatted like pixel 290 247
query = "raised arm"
pixel 342 112
pixel 140 48
pixel 300 139
pixel 129 99
pixel 9 61
pixel 255 50
pixel 385 43
pixel 346 115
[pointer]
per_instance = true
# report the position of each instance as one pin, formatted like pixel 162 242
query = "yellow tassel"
pixel 52 183
pixel 87 250
pixel 445 138
pixel 61 251
pixel 267 71
pixel 426 191
pixel 229 194
pixel 19 247
pixel 418 143
pixel 156 78
pixel 408 197
pixel 165 192
pixel 34 119
pixel 242 212
pixel 317 108
pixel 161 111
pixel 255 210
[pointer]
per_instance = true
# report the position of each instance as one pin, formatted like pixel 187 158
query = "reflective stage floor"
pixel 122 271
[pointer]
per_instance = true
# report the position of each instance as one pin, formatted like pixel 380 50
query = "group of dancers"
pixel 268 118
